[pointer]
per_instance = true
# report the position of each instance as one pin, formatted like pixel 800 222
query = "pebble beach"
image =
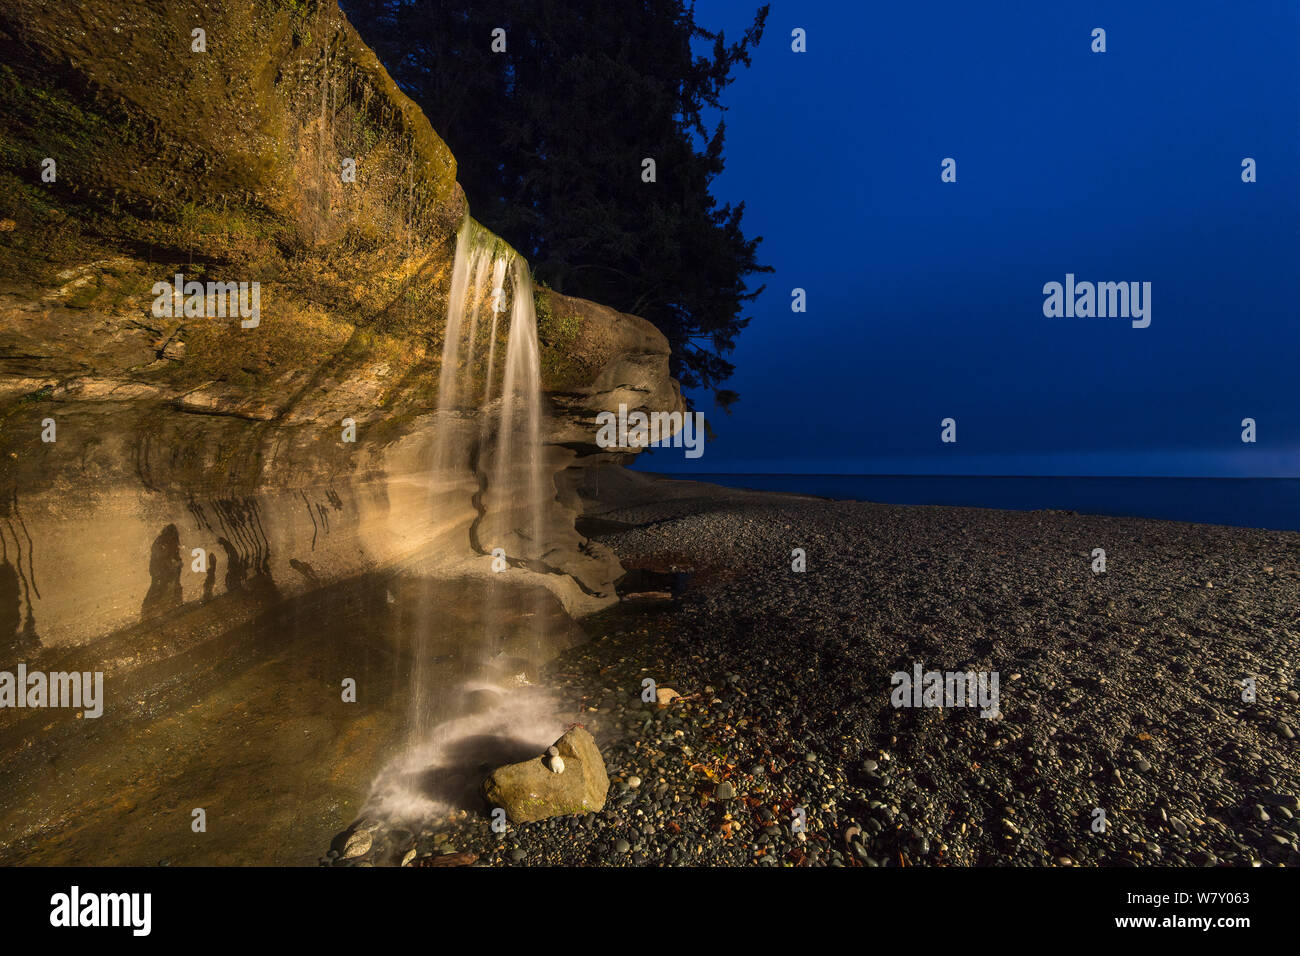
pixel 1122 691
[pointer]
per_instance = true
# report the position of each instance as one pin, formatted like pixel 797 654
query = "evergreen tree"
pixel 551 135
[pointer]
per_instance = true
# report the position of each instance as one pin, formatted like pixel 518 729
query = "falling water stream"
pixel 474 706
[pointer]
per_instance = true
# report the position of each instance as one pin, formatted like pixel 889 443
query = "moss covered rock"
pixel 296 452
pixel 531 790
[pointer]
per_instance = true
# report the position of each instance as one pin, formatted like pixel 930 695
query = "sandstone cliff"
pixel 128 156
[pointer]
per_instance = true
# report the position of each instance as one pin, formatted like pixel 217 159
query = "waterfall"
pixel 487 448
pixel 477 251
pixel 514 502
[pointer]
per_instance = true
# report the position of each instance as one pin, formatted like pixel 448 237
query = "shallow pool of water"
pixel 251 727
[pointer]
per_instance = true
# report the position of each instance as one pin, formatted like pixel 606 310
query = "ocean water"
pixel 1241 502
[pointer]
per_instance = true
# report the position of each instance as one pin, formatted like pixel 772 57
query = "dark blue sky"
pixel 925 298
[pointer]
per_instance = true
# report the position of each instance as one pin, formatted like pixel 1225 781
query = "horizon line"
pixel 910 474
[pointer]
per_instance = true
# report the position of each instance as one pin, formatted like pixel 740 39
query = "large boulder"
pixel 531 790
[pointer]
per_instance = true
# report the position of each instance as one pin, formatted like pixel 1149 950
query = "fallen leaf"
pixel 450 859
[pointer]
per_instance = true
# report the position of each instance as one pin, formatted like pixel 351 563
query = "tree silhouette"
pixel 550 137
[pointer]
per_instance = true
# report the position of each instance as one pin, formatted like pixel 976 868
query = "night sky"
pixel 925 298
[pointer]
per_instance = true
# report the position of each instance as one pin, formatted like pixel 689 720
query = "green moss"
pixel 40 395
pixel 220 167
pixel 558 328
pixel 84 296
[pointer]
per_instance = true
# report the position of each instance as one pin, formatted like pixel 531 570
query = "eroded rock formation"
pixel 154 465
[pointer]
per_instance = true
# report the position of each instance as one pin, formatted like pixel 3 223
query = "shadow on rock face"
pixel 164 573
pixel 210 581
pixel 11 611
pixel 17 636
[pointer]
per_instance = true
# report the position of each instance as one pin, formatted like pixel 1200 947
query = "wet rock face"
pixel 153 460
pixel 547 787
